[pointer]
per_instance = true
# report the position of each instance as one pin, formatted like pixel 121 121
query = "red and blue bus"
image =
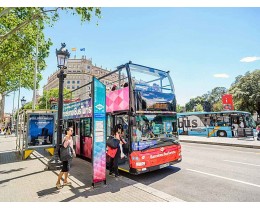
pixel 142 99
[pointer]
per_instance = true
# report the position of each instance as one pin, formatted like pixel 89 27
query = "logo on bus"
pixel 162 149
pixel 99 106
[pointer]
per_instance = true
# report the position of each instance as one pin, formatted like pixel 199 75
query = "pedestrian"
pixel 258 132
pixel 113 162
pixel 235 128
pixel 241 124
pixel 67 142
pixel 257 129
pixel 6 131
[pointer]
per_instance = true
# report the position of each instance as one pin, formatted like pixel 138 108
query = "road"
pixel 210 173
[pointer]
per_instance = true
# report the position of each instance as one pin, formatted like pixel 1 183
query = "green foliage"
pixel 44 101
pixel 199 108
pixel 213 98
pixel 246 92
pixel 218 106
pixel 18 34
pixel 180 108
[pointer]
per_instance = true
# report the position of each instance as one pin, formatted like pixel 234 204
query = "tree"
pixel 246 92
pixel 44 101
pixel 198 108
pixel 207 100
pixel 190 106
pixel 18 32
pixel 19 29
pixel 180 108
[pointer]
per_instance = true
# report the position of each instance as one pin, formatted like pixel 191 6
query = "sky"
pixel 202 47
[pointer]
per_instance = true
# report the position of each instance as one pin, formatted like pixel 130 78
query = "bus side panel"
pixel 78 146
pixel 155 157
pixel 117 100
pixel 87 147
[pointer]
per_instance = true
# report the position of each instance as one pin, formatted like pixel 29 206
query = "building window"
pixel 68 82
pixel 78 82
pixel 73 82
pixel 73 87
pixel 68 87
pixel 77 86
pixel 88 67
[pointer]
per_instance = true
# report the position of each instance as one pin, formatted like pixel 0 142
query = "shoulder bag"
pixel 66 153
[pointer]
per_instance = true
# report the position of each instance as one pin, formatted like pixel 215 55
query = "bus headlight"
pixel 140 163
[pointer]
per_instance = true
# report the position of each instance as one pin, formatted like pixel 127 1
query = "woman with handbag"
pixel 67 142
pixel 114 150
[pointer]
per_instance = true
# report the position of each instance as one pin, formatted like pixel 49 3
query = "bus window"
pixel 154 127
pixel 86 125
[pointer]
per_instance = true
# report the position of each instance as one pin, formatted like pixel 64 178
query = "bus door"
pixel 123 163
pixel 84 147
pixel 76 132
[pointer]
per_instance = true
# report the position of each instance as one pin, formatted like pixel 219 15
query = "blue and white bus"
pixel 213 124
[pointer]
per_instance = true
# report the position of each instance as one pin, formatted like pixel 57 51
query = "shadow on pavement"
pixel 12 170
pixel 46 192
pixel 18 177
pixel 10 157
pixel 153 176
pixel 84 192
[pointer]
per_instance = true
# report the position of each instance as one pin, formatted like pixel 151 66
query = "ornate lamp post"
pixel 62 58
pixel 23 101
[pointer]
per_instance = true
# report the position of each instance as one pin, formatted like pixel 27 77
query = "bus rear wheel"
pixel 221 133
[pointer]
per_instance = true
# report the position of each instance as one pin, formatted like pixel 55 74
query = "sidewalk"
pixel 237 142
pixel 26 180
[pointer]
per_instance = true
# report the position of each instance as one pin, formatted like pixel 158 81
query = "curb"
pixel 222 144
pixel 150 190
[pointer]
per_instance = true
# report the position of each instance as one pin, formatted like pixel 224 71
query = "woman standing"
pixel 67 142
pixel 113 163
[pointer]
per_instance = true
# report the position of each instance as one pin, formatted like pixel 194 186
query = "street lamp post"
pixel 23 101
pixel 62 58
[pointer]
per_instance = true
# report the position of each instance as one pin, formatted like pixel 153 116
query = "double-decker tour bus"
pixel 142 99
pixel 215 124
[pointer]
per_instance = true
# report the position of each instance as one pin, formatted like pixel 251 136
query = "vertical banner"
pixel 99 131
pixel 227 102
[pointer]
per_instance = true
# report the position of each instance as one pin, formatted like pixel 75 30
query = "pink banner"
pixel 117 100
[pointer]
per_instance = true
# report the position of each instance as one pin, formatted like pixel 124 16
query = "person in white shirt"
pixel 241 124
pixel 234 129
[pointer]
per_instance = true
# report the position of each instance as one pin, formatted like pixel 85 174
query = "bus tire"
pixel 222 133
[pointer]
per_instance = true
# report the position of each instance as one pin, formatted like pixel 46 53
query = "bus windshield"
pixel 250 121
pixel 154 127
pixel 149 79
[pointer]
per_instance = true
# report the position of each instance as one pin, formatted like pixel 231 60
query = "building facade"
pixel 79 72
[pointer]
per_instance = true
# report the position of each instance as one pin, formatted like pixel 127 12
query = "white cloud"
pixel 250 59
pixel 221 75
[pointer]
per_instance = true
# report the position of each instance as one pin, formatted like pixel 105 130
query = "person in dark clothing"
pixel 113 163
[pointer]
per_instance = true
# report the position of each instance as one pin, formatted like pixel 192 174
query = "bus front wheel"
pixel 222 133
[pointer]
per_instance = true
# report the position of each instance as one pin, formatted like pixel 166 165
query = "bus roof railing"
pixel 201 113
